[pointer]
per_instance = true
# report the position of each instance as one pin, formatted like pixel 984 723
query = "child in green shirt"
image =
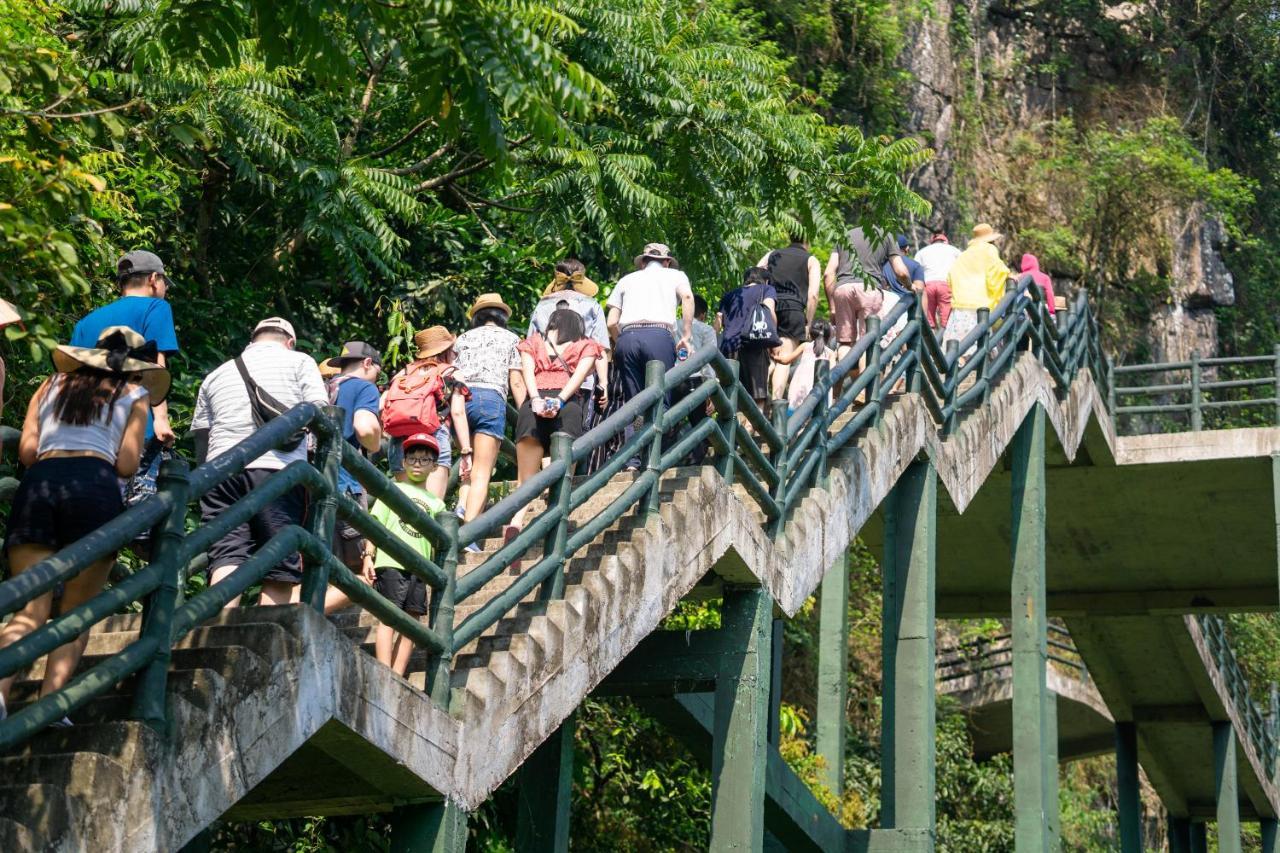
pixel 404 589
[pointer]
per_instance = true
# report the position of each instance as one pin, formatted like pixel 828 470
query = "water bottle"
pixel 682 353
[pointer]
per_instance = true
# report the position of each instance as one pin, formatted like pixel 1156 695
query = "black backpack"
pixel 762 329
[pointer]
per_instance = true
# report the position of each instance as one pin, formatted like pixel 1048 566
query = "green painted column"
pixel 740 735
pixel 1179 834
pixel 429 828
pixel 1199 835
pixel 1035 769
pixel 543 794
pixel 1226 787
pixel 908 711
pixel 1267 829
pixel 833 673
pixel 1129 799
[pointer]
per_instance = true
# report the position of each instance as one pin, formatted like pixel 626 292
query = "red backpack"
pixel 413 400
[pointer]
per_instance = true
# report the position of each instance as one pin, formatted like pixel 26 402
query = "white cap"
pixel 278 323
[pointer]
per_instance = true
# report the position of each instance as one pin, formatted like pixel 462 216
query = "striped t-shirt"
pixel 223 408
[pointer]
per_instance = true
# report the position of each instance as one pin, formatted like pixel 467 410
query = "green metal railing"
pixel 775 459
pixel 976 658
pixel 1200 393
pixel 1262 728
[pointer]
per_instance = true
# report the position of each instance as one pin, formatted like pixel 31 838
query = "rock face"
pixel 962 182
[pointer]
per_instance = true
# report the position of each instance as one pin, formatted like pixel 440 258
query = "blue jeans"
pixel 487 412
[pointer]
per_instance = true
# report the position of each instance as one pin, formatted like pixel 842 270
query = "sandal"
pixel 508 533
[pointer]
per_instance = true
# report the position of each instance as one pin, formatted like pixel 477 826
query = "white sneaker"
pixel 64 723
pixel 4 711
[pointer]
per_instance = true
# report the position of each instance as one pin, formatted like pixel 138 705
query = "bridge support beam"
pixel 1179 834
pixel 429 828
pixel 1226 787
pixel 1035 730
pixel 1199 836
pixel 1270 841
pixel 543 794
pixel 739 748
pixel 833 673
pixel 1129 799
pixel 908 717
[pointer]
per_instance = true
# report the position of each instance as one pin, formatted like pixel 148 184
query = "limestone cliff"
pixel 984 70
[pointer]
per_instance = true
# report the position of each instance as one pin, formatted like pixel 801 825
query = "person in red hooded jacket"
pixel 1030 264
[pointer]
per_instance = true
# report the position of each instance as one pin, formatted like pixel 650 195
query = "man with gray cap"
pixel 225 415
pixel 143 284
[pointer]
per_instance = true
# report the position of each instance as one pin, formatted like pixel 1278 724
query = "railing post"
pixel 1196 418
pixel 874 356
pixel 915 373
pixel 728 422
pixel 780 461
pixel 157 619
pixel 952 349
pixel 1277 385
pixel 1273 729
pixel 323 511
pixel 655 376
pixel 441 616
pixel 984 348
pixel 560 497
pixel 821 376
pixel 1111 389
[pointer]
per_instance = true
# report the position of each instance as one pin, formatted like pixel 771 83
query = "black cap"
pixel 356 351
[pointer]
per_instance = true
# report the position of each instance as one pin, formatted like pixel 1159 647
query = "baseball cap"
pixel 356 351
pixel 422 439
pixel 903 242
pixel 279 324
pixel 141 262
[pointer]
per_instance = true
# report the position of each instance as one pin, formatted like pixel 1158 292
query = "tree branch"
pixel 414 131
pixel 481 201
pixel 82 114
pixel 375 73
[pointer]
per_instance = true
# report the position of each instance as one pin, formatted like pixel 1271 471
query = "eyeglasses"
pixel 423 458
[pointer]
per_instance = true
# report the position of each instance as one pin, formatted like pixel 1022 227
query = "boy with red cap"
pixel 402 588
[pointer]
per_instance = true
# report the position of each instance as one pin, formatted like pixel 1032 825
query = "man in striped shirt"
pixel 223 418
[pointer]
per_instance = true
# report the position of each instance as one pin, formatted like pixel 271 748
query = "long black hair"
pixel 756 275
pixel 84 396
pixel 567 325
pixel 823 335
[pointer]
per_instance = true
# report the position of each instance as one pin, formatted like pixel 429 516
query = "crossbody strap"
pixel 256 391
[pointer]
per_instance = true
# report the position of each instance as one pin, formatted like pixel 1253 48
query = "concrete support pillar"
pixel 543 794
pixel 1267 829
pixel 908 715
pixel 429 828
pixel 833 673
pixel 740 736
pixel 1226 787
pixel 1129 800
pixel 1035 769
pixel 1199 835
pixel 1179 834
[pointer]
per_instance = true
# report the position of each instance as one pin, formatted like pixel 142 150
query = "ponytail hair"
pixel 823 336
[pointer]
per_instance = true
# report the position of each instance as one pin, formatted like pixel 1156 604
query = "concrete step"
pixel 47 812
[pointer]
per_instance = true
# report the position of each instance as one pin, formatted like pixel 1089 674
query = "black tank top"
pixel 789 269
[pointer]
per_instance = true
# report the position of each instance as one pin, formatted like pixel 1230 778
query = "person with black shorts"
pixel 83 430
pixel 390 579
pixel 748 334
pixel 554 368
pixel 797 279
pixel 223 418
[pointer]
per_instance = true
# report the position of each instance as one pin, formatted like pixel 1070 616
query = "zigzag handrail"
pixel 775 459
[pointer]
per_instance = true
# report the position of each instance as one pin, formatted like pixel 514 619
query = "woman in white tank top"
pixel 83 431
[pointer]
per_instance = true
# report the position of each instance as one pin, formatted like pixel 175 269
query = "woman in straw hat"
pixel 83 430
pixel 570 288
pixel 425 396
pixel 489 363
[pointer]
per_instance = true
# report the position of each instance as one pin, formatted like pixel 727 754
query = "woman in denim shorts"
pixel 489 364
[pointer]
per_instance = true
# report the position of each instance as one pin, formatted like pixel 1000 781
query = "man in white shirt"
pixel 642 316
pixel 937 258
pixel 223 418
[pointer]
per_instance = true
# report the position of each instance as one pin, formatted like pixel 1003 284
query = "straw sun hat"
pixel 985 233
pixel 432 341
pixel 488 300
pixel 122 351
pixel 580 283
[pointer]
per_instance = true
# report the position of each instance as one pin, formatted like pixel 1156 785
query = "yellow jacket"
pixel 977 277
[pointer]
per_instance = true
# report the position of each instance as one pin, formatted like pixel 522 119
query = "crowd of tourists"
pixel 95 430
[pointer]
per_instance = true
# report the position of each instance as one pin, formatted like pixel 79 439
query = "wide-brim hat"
pixel 122 351
pixel 488 300
pixel 984 233
pixel 9 315
pixel 654 252
pixel 581 284
pixel 432 341
pixel 327 369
